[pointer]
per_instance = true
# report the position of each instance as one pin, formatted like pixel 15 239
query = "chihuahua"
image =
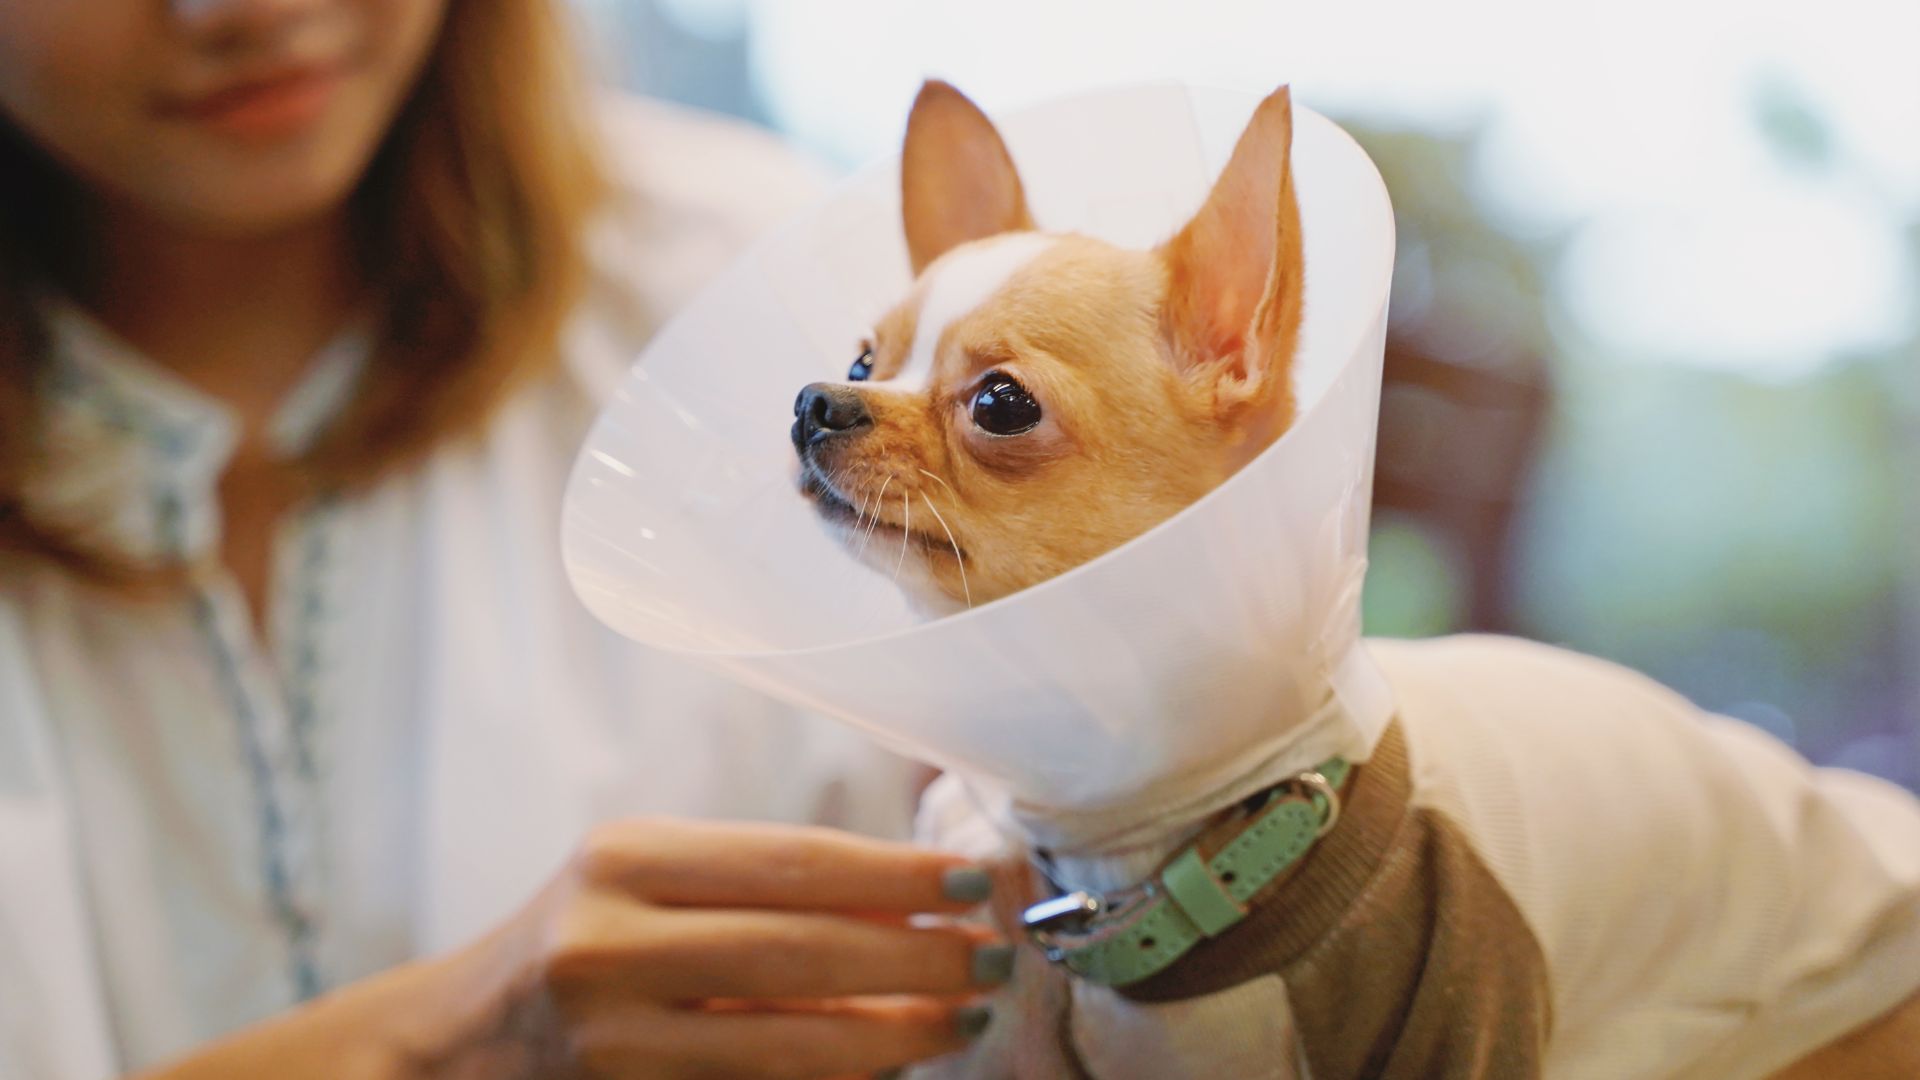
pixel 1039 398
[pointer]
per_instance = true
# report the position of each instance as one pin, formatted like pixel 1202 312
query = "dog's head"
pixel 1039 398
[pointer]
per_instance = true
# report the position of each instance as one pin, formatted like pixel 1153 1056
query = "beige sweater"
pixel 1549 867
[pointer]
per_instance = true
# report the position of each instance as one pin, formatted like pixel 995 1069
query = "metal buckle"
pixel 1071 913
pixel 1318 784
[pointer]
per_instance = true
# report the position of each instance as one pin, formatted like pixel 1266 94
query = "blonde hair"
pixel 469 231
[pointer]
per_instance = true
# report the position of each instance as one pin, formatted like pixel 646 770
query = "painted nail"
pixel 992 965
pixel 972 1021
pixel 966 885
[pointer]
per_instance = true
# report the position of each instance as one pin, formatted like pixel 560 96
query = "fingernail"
pixel 992 965
pixel 971 1021
pixel 966 885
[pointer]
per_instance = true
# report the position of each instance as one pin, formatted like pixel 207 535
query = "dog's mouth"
pixel 866 525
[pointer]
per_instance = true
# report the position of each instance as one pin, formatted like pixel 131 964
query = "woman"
pixel 304 306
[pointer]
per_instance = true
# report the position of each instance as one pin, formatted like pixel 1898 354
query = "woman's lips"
pixel 268 108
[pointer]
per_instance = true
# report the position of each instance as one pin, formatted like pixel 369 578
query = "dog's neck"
pixel 1123 866
pixel 1114 846
pixel 1118 868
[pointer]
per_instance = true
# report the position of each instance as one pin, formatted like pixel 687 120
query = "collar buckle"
pixel 1072 913
pixel 1316 783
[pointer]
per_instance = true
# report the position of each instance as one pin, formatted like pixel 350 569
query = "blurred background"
pixel 1653 378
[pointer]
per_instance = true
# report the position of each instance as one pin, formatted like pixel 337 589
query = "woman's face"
pixel 233 117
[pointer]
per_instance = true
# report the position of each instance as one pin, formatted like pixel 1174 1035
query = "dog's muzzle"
pixel 825 411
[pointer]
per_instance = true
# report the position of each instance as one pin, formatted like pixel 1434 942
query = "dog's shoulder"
pixel 1693 882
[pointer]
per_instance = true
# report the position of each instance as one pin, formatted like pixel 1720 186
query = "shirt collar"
pixel 136 453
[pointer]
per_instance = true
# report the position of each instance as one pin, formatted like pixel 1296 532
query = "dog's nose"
pixel 824 410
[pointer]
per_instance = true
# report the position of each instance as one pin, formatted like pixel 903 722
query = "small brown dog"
pixel 1040 398
pixel 1547 866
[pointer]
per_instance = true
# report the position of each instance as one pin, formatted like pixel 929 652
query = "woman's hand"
pixel 675 948
pixel 669 949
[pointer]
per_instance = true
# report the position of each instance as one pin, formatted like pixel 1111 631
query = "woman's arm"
pixel 665 949
pixel 386 1027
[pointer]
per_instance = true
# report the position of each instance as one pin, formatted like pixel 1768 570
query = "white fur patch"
pixel 957 286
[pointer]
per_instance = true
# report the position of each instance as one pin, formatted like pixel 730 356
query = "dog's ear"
pixel 957 181
pixel 1235 272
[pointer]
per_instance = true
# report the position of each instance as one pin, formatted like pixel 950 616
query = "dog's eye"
pixel 1003 407
pixel 862 369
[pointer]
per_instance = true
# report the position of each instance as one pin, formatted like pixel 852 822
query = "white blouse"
pixel 199 827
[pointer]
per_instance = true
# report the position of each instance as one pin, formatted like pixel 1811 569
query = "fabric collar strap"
pixel 1124 938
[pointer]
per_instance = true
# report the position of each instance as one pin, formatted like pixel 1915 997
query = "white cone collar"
pixel 1220 645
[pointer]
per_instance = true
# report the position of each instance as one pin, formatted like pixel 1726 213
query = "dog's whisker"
pixel 874 525
pixel 860 516
pixel 906 534
pixel 866 534
pixel 959 559
pixel 942 483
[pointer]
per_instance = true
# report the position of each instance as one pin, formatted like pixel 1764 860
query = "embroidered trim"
pixel 269 814
pixel 303 667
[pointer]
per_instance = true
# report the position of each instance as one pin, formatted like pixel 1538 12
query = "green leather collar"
pixel 1126 937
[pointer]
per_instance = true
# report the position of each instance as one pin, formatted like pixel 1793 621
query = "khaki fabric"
pixel 1402 954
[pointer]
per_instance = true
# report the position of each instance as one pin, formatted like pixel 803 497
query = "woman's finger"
pixel 859 1037
pixel 831 1006
pixel 718 864
pixel 684 954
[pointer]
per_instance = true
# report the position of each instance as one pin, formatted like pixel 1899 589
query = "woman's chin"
pixel 235 193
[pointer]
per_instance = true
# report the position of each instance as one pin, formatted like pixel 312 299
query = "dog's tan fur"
pixel 1159 372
